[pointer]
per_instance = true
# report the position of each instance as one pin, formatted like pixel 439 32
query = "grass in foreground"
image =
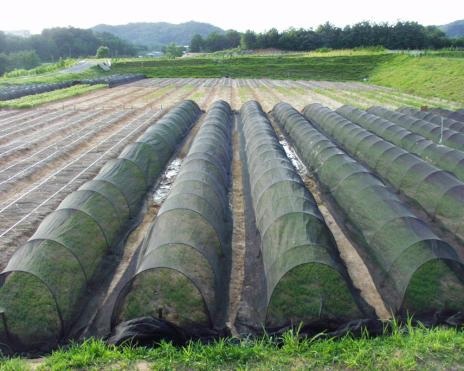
pixel 31 101
pixel 405 349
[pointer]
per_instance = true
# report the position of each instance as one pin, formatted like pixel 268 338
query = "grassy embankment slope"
pixel 431 75
pixel 427 76
pixel 435 74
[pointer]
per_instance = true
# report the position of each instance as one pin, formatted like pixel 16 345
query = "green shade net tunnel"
pixel 451 138
pixel 305 277
pixel 455 115
pixel 439 193
pixel 183 270
pixel 447 122
pixel 443 157
pixel 413 269
pixel 44 284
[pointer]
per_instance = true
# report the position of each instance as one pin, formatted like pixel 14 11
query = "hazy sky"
pixel 34 15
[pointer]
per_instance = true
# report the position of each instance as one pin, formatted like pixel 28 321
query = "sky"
pixel 34 15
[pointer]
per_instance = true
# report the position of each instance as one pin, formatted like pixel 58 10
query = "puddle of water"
pixel 291 154
pixel 166 182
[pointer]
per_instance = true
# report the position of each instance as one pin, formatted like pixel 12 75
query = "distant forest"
pixel 52 44
pixel 56 43
pixel 402 35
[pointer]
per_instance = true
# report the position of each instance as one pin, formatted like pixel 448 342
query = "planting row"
pixel 18 91
pixel 439 193
pixel 182 273
pixel 44 284
pixel 413 269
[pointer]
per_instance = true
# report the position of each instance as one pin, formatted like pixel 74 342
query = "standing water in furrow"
pixel 44 286
pixel 183 272
pixel 306 280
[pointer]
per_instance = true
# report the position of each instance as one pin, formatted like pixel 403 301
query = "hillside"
pixel 454 29
pixel 428 76
pixel 155 35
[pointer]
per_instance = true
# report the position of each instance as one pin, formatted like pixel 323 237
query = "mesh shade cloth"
pixel 383 226
pixel 191 232
pixel 293 231
pixel 451 138
pixel 70 243
pixel 443 157
pixel 439 193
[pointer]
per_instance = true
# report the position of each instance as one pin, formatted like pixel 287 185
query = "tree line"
pixel 55 43
pixel 401 35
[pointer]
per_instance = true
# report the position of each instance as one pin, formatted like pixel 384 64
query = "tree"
pixel 248 40
pixel 103 52
pixel 215 41
pixel 4 62
pixel 172 50
pixel 197 44
pixel 232 39
pixel 2 42
pixel 117 46
pixel 26 59
pixel 270 39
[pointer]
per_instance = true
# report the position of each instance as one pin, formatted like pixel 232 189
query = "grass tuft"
pixel 406 348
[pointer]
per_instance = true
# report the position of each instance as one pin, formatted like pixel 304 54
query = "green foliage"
pixel 157 35
pixel 249 40
pixel 41 75
pixel 168 291
pixel 117 47
pixel 31 101
pixel 402 35
pixel 215 41
pixel 338 68
pixel 44 68
pixel 62 42
pixel 310 291
pixel 173 51
pixel 103 52
pixel 433 286
pixel 26 59
pixel 407 348
pixel 427 76
pixel 196 44
pixel 30 309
